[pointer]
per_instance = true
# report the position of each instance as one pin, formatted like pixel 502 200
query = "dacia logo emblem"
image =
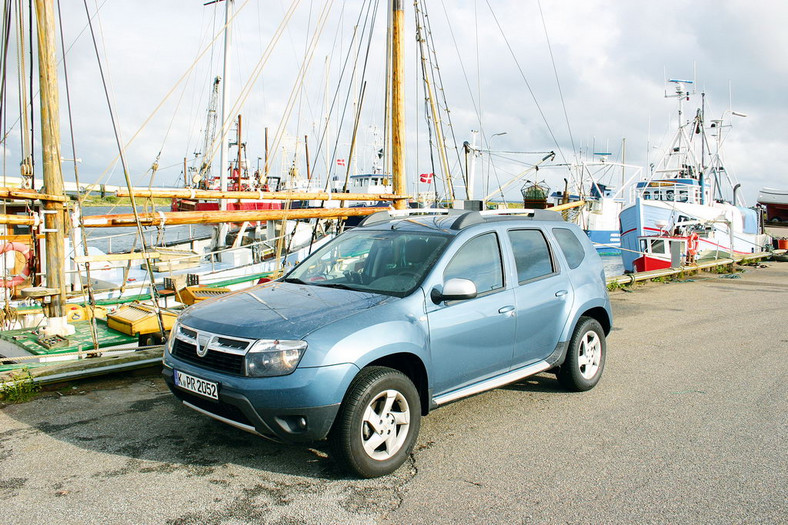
pixel 203 340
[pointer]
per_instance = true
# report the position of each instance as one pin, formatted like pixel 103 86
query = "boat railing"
pixel 153 237
pixel 265 248
pixel 668 191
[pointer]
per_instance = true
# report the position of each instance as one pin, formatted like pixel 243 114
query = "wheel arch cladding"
pixel 413 367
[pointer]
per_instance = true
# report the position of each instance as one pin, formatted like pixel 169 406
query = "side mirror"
pixel 454 290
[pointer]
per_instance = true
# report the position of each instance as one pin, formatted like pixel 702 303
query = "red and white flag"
pixel 340 162
pixel 426 177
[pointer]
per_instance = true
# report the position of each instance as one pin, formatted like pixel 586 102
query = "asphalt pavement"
pixel 688 425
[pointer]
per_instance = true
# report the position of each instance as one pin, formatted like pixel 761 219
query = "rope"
pixel 525 80
pixel 438 82
pixel 557 81
pixel 183 77
pixel 126 175
pixel 247 88
pixel 80 199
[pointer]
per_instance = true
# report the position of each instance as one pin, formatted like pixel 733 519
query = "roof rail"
pixel 388 215
pixel 537 215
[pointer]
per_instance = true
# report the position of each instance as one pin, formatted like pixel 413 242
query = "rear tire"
pixel 377 423
pixel 585 358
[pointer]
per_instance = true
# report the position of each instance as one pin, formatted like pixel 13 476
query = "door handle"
pixel 508 311
pixel 561 293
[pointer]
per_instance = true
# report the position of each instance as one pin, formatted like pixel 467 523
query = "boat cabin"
pixel 364 183
pixel 662 251
pixel 670 190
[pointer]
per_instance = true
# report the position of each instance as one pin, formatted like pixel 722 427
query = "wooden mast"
pixel 224 150
pixel 54 216
pixel 398 102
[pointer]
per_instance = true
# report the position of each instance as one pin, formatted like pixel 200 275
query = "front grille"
pixel 222 353
pixel 213 360
pixel 232 343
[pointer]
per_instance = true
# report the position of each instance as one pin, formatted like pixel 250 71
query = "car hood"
pixel 278 310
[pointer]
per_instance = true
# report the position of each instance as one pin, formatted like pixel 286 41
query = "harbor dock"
pixel 117 352
pixel 687 426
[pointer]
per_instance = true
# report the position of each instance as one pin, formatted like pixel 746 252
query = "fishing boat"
pixel 47 267
pixel 602 185
pixel 688 210
pixel 775 203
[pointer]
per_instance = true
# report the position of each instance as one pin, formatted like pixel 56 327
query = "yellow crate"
pixel 135 319
pixel 195 294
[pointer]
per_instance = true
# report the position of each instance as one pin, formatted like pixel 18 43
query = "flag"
pixel 426 177
pixel 340 162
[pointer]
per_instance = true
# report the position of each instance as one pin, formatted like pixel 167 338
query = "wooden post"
pixel 239 158
pixel 306 154
pixel 265 169
pixel 398 103
pixel 54 221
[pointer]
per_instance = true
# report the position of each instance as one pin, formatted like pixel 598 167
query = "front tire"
pixel 378 422
pixel 585 357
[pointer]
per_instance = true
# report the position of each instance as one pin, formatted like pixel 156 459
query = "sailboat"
pixel 682 213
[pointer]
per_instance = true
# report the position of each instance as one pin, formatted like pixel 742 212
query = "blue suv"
pixel 390 320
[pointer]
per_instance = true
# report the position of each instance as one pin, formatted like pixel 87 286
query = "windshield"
pixel 389 262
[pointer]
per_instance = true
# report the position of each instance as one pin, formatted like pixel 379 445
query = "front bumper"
pixel 299 407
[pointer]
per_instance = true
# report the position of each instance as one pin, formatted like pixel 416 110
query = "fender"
pixel 581 311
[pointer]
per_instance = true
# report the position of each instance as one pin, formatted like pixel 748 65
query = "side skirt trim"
pixel 495 382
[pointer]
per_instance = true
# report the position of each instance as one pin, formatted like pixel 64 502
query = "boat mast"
pixel 225 149
pixel 54 221
pixel 398 102
pixel 421 38
pixel 702 174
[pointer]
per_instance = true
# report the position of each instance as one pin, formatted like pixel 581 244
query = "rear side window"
pixel 480 261
pixel 571 246
pixel 531 254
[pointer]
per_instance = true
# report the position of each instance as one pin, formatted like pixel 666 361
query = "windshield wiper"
pixel 295 281
pixel 335 285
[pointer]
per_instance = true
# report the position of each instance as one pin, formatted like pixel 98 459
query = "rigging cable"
pixel 475 98
pixel 184 76
pixel 32 109
pixel 143 248
pixel 256 72
pixel 557 81
pixel 438 82
pixel 343 71
pixel 7 313
pixel 80 199
pixel 525 80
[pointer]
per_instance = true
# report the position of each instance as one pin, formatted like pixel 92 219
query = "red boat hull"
pixel 646 264
pixel 196 205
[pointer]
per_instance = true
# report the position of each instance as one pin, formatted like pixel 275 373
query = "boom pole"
pixel 54 222
pixel 398 103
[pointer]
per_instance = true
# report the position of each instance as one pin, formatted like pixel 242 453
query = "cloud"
pixel 600 80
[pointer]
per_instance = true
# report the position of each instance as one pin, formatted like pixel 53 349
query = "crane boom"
pixel 210 131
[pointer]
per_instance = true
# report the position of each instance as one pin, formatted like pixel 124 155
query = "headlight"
pixel 269 357
pixel 171 339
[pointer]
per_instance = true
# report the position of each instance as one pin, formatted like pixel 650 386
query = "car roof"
pixel 453 220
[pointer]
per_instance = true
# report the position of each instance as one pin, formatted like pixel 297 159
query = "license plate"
pixel 199 386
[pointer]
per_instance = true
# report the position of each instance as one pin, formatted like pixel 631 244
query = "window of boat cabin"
pixel 531 254
pixel 478 260
pixel 570 245
pixel 657 246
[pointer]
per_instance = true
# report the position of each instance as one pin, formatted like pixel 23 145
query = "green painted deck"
pixel 81 340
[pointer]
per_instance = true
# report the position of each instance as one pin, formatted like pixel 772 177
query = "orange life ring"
pixel 692 244
pixel 21 269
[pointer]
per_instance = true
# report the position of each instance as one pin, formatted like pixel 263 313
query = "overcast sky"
pixel 550 75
